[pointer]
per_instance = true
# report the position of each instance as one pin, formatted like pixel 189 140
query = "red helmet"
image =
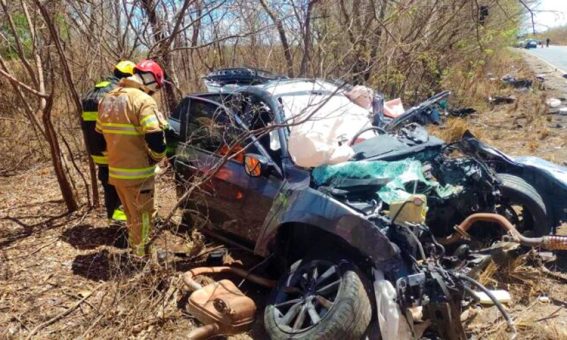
pixel 150 66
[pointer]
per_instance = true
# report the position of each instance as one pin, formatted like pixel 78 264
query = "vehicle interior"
pixel 210 128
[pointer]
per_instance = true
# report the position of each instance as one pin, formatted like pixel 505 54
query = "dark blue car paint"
pixel 550 180
pixel 297 203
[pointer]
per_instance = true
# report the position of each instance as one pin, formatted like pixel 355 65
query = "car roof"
pixel 278 87
pixel 291 86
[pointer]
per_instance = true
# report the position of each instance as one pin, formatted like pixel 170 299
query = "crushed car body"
pixel 333 209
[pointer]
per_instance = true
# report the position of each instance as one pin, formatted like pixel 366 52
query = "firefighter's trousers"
pixel 111 200
pixel 138 203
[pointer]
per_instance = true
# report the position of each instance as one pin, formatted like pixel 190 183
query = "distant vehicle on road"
pixel 531 44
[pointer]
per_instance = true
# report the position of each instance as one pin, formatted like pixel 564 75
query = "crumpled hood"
pixel 402 176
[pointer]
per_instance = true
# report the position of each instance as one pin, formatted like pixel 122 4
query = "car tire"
pixel 516 191
pixel 341 313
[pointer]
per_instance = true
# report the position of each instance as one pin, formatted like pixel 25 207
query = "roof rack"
pixel 242 76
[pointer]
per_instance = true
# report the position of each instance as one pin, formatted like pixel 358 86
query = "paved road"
pixel 554 55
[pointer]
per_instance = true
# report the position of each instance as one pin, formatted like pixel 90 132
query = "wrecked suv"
pixel 341 251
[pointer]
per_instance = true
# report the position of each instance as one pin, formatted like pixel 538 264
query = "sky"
pixel 549 13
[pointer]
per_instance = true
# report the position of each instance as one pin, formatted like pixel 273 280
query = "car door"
pixel 212 161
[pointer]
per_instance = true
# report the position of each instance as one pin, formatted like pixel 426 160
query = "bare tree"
pixel 47 17
pixel 44 94
pixel 282 34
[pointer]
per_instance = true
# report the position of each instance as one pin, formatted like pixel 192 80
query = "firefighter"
pixel 95 142
pixel 133 129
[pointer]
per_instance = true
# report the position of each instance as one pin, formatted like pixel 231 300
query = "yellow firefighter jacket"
pixel 125 116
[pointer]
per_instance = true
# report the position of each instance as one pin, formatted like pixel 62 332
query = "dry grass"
pixel 522 128
pixel 63 276
pixel 533 317
pixel 454 129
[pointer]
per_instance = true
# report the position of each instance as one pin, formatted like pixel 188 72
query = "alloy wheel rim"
pixel 307 296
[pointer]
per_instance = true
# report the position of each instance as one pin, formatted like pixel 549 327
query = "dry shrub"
pixel 532 145
pixel 454 130
pixel 557 35
pixel 19 147
pixel 550 331
pixel 521 128
pixel 22 144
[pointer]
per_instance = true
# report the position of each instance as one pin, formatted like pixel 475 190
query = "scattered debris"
pixel 361 96
pixel 393 108
pixel 221 306
pixel 501 296
pixel 553 102
pixel 499 100
pixel 516 83
pixel 540 79
pixel 463 112
pixel 547 256
pixel 563 111
pixel 425 113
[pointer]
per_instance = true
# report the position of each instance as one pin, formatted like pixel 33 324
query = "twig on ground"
pixel 550 316
pixel 92 326
pixel 57 238
pixel 21 322
pixel 551 274
pixel 64 314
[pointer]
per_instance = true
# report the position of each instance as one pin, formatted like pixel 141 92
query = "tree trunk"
pixel 306 39
pixel 74 95
pixel 165 57
pixel 283 37
pixel 55 150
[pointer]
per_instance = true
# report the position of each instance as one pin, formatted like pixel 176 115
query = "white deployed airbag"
pixel 322 123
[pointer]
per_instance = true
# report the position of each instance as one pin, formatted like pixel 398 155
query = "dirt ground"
pixel 64 276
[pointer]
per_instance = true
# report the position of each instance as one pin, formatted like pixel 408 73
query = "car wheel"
pixel 318 299
pixel 527 205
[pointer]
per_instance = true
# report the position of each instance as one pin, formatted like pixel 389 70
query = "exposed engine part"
pixel 412 210
pixel 494 299
pixel 439 282
pixel 440 294
pixel 221 306
pixel 554 242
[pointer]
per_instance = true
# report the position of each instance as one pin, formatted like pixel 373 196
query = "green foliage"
pixel 8 49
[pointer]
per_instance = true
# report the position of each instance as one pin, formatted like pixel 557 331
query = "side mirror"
pixel 255 165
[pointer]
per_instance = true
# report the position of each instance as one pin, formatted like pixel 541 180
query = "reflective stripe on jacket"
pixel 100 160
pixel 125 116
pixel 95 143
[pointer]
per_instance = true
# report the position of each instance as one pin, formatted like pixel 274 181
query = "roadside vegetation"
pixel 558 35
pixel 520 128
